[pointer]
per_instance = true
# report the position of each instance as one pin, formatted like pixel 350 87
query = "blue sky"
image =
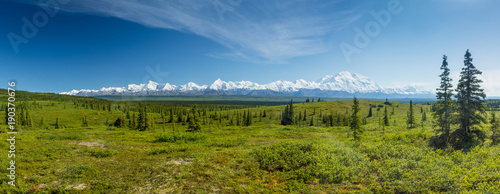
pixel 94 44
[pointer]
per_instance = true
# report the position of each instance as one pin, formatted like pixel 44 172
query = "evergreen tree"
pixel 171 115
pixel 307 100
pixel 470 96
pixel 84 122
pixel 312 121
pixel 386 117
pixel 411 116
pixel 133 122
pixel 319 100
pixel 194 121
pixel 57 123
pixel 370 113
pixel 305 117
pixel 248 119
pixel 287 117
pixel 151 122
pixel 443 108
pixel 424 117
pixel 355 123
pixel 119 122
pixel 264 114
pixel 141 125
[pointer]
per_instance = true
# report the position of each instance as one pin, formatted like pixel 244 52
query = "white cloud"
pixel 491 82
pixel 269 31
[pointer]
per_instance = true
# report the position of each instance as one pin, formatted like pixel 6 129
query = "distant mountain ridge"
pixel 343 84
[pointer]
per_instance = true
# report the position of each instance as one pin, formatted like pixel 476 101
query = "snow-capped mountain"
pixel 343 84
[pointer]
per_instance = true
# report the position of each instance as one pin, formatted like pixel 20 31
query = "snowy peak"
pixel 192 86
pixel 343 82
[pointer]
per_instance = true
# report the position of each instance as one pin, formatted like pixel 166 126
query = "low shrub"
pixel 180 137
pixel 168 150
pixel 228 143
pixel 61 136
pixel 101 153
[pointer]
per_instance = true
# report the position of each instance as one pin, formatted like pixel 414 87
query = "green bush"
pixel 303 162
pixel 228 143
pixel 76 171
pixel 101 153
pixel 168 150
pixel 180 137
pixel 61 136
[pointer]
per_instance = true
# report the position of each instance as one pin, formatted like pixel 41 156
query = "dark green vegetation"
pixel 467 111
pixel 76 144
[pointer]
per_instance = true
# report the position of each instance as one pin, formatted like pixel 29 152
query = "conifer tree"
pixel 443 108
pixel 84 122
pixel 355 123
pixel 57 123
pixel 133 122
pixel 171 115
pixel 386 117
pixel 248 118
pixel 370 113
pixel 287 117
pixel 120 122
pixel 411 116
pixel 194 121
pixel 470 96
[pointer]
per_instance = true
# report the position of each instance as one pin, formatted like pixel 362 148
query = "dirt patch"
pixel 80 186
pixel 91 144
pixel 180 162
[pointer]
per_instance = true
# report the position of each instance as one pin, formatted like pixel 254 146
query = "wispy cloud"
pixel 266 31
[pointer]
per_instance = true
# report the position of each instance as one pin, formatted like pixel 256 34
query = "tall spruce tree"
pixel 386 117
pixel 411 116
pixel 443 108
pixel 470 96
pixel 355 123
pixel 370 112
pixel 194 121
pixel 287 117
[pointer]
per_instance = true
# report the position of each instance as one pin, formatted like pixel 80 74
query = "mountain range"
pixel 343 84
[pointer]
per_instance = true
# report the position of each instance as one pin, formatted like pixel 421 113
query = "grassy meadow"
pixel 224 157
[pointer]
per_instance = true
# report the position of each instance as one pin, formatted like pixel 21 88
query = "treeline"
pixel 290 117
